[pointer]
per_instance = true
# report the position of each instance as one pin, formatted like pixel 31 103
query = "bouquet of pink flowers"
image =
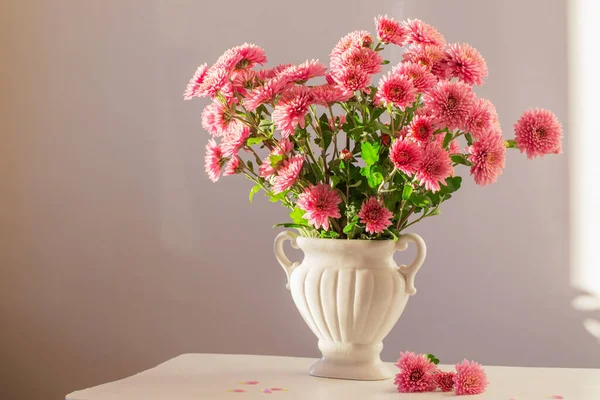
pixel 350 159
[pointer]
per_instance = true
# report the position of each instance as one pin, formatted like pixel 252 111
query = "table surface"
pixel 215 376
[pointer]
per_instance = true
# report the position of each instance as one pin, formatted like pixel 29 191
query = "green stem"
pixel 405 218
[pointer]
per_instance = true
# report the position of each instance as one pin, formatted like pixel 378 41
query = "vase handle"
pixel 409 271
pixel 285 262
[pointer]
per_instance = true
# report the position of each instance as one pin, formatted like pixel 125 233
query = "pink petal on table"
pixel 267 391
pixel 279 389
pixel 236 390
pixel 557 396
pixel 249 383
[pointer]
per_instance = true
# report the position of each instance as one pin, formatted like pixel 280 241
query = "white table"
pixel 210 376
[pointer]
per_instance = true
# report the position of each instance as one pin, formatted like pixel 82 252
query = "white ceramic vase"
pixel 350 293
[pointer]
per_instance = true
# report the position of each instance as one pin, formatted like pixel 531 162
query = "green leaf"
pixel 376 113
pixel 253 191
pixel 255 140
pixel 348 228
pixel 374 179
pixel 327 136
pixel 385 62
pixel 447 140
pixel 407 191
pixel 369 153
pixel 277 197
pixel 382 127
pixel 275 159
pixel 469 138
pixel 460 159
pixel 420 200
pixel 452 184
pixel 511 144
pixel 392 234
pixel 432 358
pixel 297 216
pixel 437 211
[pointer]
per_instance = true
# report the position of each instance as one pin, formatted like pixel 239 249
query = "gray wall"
pixel 117 253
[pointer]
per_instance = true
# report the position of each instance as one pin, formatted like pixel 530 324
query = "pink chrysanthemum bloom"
pixel 406 156
pixel 429 56
pixel 303 72
pixel 421 78
pixel 450 103
pixel 482 118
pixel 369 61
pixel 375 215
pixel 353 39
pixel 465 63
pixel 416 373
pixel 320 203
pixel 488 155
pixel 216 118
pixel 213 82
pixel 538 132
pixel 193 88
pixel 396 89
pixel 352 79
pixel 234 138
pixel 269 73
pixel 213 160
pixel 470 378
pixel 435 167
pixel 243 81
pixel 266 93
pixel 421 129
pixel 266 170
pixel 291 109
pixel 421 33
pixel 241 57
pixel 234 166
pixel 327 94
pixel 390 31
pixel 288 173
pixel 445 380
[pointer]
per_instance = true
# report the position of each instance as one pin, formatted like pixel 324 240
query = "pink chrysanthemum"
pixel 375 215
pixel 266 170
pixel 396 89
pixel 234 138
pixel 421 129
pixel 213 82
pixel 243 81
pixel 470 378
pixel 288 173
pixel 435 167
pixel 269 73
pixel 320 203
pixel 406 156
pixel 352 79
pixel 353 39
pixel 213 160
pixel 291 109
pixel 465 63
pixel 327 94
pixel 266 93
pixel 215 118
pixel 367 60
pixel 429 56
pixel 390 31
pixel 241 57
pixel 421 33
pixel 416 373
pixel 482 118
pixel 538 132
pixel 445 380
pixel 193 88
pixel 234 166
pixel 450 103
pixel 303 72
pixel 488 155
pixel 422 79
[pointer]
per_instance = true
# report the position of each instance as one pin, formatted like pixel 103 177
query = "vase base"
pixel 373 371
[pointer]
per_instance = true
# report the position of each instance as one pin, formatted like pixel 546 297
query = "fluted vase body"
pixel 350 293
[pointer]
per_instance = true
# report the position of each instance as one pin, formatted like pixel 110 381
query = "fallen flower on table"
pixel 267 391
pixel 249 382
pixel 279 389
pixel 236 390
pixel 419 373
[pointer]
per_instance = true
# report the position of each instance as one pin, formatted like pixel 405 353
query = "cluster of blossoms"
pixel 352 158
pixel 420 373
